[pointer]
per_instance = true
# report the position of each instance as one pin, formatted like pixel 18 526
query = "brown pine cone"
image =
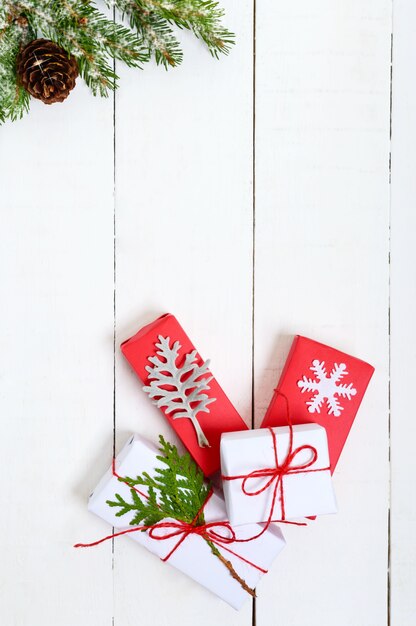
pixel 46 71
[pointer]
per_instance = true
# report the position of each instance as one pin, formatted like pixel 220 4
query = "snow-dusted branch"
pixel 179 390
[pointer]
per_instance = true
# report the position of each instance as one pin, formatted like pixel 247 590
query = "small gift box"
pixel 273 474
pixel 179 543
pixel 181 385
pixel 321 385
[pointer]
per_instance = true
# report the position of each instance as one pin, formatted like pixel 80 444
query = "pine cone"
pixel 46 71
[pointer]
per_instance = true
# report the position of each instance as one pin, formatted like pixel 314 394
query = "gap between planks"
pixel 253 269
pixel 253 616
pixel 389 335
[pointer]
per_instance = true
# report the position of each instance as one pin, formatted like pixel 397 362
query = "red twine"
pixel 181 529
pixel 277 473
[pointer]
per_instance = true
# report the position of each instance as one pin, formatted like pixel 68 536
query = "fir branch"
pixel 81 30
pixel 178 491
pixel 95 40
pixel 14 32
pixel 201 16
pixel 154 30
pixel 152 19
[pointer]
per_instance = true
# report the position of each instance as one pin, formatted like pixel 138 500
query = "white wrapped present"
pixel 280 473
pixel 189 551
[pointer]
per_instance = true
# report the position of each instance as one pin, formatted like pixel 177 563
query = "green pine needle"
pixel 142 29
pixel 14 100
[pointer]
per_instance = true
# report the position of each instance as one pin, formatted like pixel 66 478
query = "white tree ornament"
pixel 179 389
pixel 327 388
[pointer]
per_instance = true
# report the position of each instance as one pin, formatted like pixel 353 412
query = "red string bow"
pixel 181 529
pixel 277 473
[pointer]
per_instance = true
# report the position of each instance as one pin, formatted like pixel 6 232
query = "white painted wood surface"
pixel 244 262
pixel 403 312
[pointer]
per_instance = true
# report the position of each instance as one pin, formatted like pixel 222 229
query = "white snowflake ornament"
pixel 326 388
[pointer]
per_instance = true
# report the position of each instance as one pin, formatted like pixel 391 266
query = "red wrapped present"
pixel 179 383
pixel 322 385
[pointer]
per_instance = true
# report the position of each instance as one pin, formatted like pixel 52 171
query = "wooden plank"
pixel 56 366
pixel 403 310
pixel 322 205
pixel 184 245
pixel 184 226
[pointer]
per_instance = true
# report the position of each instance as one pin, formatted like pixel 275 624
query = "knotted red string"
pixel 275 475
pixel 181 529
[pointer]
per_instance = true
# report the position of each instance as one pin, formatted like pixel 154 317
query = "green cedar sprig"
pixel 178 491
pixel 133 32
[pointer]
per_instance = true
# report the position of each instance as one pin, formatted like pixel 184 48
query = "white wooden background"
pixel 252 198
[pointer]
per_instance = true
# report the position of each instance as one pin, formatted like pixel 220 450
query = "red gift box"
pixel 181 385
pixel 322 385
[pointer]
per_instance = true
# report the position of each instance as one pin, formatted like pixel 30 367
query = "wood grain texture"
pixel 184 245
pixel 55 367
pixel 188 229
pixel 322 237
pixel 403 312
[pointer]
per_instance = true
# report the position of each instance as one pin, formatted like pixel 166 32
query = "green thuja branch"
pixel 142 29
pixel 176 490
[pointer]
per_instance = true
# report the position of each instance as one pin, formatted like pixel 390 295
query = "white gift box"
pixel 193 556
pixel 305 491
